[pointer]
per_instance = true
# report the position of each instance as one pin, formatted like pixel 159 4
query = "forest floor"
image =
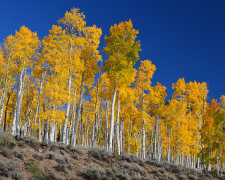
pixel 25 158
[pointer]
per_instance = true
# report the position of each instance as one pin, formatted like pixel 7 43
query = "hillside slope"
pixel 25 158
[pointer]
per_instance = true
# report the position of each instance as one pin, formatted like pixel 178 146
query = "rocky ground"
pixel 25 158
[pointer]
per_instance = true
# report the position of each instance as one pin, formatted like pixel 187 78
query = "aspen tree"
pixel 143 82
pixel 122 50
pixel 25 45
pixel 4 77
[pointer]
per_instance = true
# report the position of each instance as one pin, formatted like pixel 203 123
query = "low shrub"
pixel 31 141
pixel 11 166
pixel 100 154
pixel 7 140
pixel 155 163
pixel 38 157
pixel 75 156
pixel 33 167
pixel 130 158
pixel 141 178
pixel 176 169
pixel 19 155
pixel 132 167
pixel 61 146
pixel 110 173
pixel 167 177
pixel 17 175
pixel 77 149
pixel 3 170
pixel 63 164
pixel 192 177
pixel 6 153
pixel 49 155
pixel 94 173
pixel 21 143
pixel 123 176
pixel 182 177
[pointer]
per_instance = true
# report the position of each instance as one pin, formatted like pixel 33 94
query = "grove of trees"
pixel 57 91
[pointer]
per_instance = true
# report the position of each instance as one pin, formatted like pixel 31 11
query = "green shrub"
pixel 3 170
pixel 38 157
pixel 94 173
pixel 75 156
pixel 7 140
pixel 141 178
pixel 31 141
pixel 6 153
pixel 61 146
pixel 63 164
pixel 11 166
pixel 19 155
pixel 33 167
pixel 100 154
pixel 132 167
pixel 155 163
pixel 182 177
pixel 192 177
pixel 17 175
pixel 77 149
pixel 21 143
pixel 49 155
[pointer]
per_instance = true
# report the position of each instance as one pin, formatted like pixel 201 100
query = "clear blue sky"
pixel 182 38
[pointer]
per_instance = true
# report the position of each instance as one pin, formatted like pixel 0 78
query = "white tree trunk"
pixel 155 138
pixel 106 125
pixel 78 112
pixel 38 106
pixel 111 135
pixel 64 139
pixel 117 125
pixel 143 128
pixel 121 136
pixel 46 131
pixel 95 130
pixel 2 103
pixel 73 114
pixel 39 130
pixel 143 139
pixel 16 116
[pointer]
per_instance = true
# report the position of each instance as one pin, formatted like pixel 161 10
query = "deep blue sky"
pixel 182 38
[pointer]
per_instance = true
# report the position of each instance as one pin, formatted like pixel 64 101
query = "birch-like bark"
pixel 39 130
pixel 143 139
pixel 95 131
pixel 78 112
pixel 64 139
pixel 6 111
pixel 16 116
pixel 111 135
pixel 117 125
pixel 38 107
pixel 121 136
pixel 3 93
pixel 52 133
pixel 143 128
pixel 155 138
pixel 46 132
pixel 168 151
pixel 73 114
pixel 106 125
pixel 87 136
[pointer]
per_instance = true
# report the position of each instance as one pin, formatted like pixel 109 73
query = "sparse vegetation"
pixel 34 167
pixel 19 155
pixel 56 160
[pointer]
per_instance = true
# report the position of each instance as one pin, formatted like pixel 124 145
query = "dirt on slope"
pixel 25 158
